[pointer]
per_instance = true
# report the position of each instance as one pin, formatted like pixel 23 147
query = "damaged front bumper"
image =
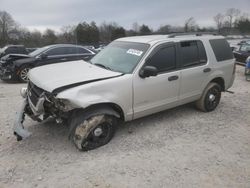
pixel 35 110
pixel 18 127
pixel 6 73
pixel 39 105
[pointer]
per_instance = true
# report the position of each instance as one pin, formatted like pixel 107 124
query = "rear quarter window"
pixel 193 53
pixel 222 50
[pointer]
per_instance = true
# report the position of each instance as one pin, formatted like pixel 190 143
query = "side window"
pixel 202 53
pixel 23 50
pixel 11 50
pixel 221 48
pixel 78 50
pixel 82 51
pixel 164 59
pixel 71 50
pixel 57 51
pixel 245 48
pixel 7 50
pixel 193 53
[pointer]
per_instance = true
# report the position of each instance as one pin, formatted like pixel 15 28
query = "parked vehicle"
pixel 16 67
pixel 101 47
pixel 247 69
pixel 29 50
pixel 131 78
pixel 242 54
pixel 244 42
pixel 13 49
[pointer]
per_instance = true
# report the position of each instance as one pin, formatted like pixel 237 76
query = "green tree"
pixel 190 25
pixel 87 33
pixel 111 31
pixel 243 25
pixel 7 25
pixel 94 34
pixel 49 37
pixel 164 29
pixel 118 33
pixel 144 30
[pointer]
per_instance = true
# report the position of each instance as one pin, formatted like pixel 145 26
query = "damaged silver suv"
pixel 131 78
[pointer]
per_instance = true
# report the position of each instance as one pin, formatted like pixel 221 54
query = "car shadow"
pixel 12 82
pixel 52 137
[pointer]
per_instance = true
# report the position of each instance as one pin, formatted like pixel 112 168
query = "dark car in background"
pixel 242 54
pixel 244 42
pixel 29 50
pixel 13 49
pixel 16 67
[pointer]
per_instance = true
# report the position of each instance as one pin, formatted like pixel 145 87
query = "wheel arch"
pixel 96 109
pixel 220 81
pixel 105 107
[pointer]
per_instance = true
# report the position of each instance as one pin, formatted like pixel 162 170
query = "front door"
pixel 157 93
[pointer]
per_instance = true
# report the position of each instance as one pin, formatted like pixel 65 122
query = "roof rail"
pixel 173 35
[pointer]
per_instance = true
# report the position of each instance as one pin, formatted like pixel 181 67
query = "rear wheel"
pixel 210 98
pixel 23 74
pixel 93 132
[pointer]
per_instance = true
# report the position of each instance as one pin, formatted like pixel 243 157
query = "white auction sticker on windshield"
pixel 135 52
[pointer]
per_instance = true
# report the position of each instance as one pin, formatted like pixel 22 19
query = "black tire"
pixel 210 98
pixel 91 132
pixel 23 74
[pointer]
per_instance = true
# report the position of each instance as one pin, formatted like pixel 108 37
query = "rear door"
pixel 194 69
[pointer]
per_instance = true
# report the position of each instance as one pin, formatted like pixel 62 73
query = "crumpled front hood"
pixel 52 77
pixel 21 61
pixel 13 57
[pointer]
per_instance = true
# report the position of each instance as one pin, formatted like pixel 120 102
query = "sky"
pixel 54 14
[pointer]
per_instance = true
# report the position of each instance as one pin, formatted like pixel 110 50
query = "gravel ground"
pixel 181 147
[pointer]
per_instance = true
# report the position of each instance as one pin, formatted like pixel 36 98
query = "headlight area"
pixel 42 104
pixel 58 108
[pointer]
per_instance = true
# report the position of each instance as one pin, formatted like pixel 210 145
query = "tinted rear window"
pixel 193 53
pixel 221 48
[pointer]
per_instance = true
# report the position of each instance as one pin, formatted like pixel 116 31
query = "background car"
pixel 29 50
pixel 243 53
pixel 244 42
pixel 16 67
pixel 13 49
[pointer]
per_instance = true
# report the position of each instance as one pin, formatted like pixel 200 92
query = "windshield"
pixel 38 51
pixel 245 48
pixel 3 49
pixel 120 56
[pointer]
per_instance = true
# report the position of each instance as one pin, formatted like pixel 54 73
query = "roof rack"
pixel 173 35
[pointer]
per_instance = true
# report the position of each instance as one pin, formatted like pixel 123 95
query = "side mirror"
pixel 148 71
pixel 43 56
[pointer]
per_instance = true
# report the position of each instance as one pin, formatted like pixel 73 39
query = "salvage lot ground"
pixel 181 147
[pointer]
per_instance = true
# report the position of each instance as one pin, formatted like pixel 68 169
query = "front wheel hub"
pixel 98 131
pixel 211 97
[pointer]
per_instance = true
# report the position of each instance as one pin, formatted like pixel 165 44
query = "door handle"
pixel 207 70
pixel 172 78
pixel 63 59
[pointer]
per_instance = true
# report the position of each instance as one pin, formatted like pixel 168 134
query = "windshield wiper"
pixel 103 66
